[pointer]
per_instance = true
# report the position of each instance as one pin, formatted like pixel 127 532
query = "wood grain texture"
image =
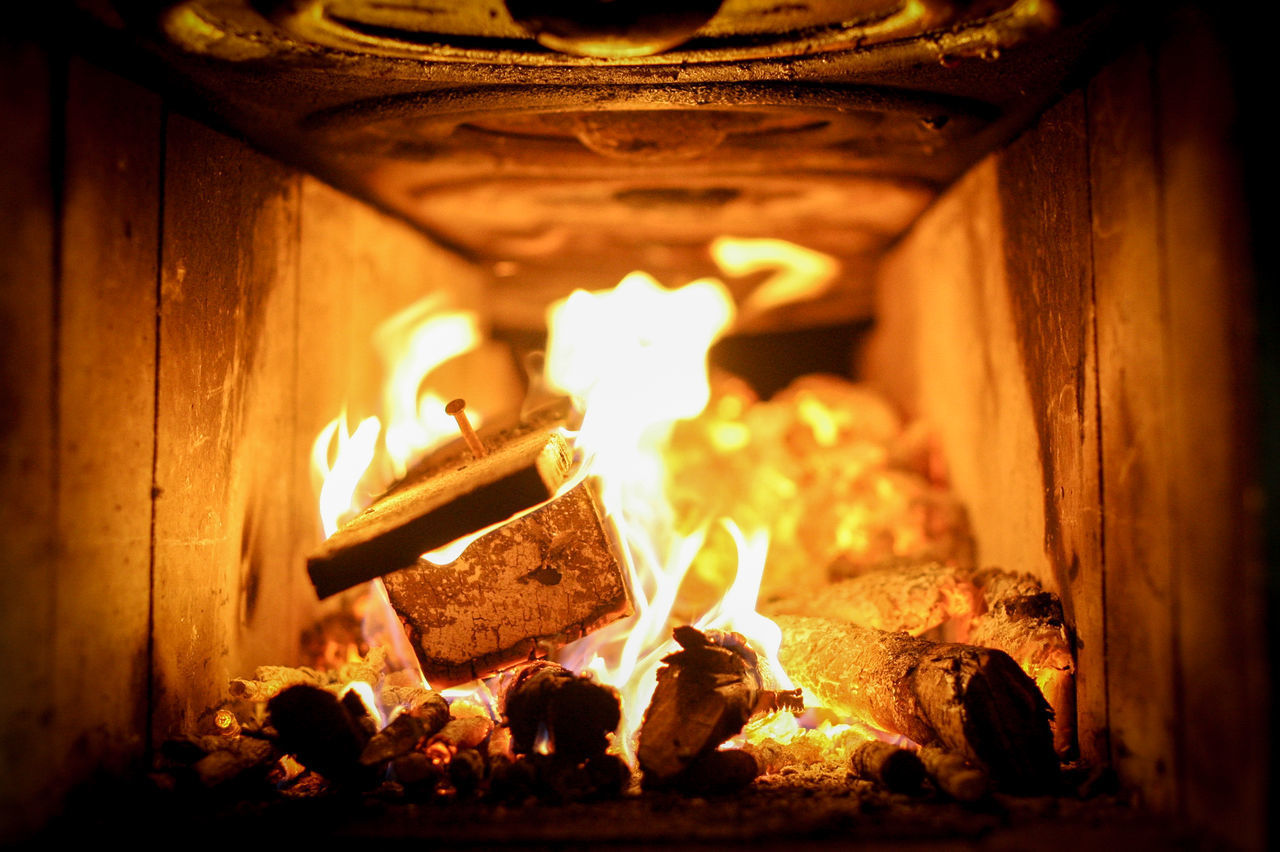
pixel 1044 194
pixel 106 404
pixel 225 443
pixel 1133 327
pixel 27 435
pixel 1215 495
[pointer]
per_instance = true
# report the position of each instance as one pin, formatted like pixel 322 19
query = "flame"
pixel 370 701
pixel 800 274
pixel 635 359
pixel 412 344
pixel 354 455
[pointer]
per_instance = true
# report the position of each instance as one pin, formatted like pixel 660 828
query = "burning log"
pixel 704 695
pixel 548 576
pixel 1026 622
pixel 427 513
pixel 912 597
pixel 313 725
pixel 974 701
pixel 953 775
pixel 577 714
pixel 406 730
pixel 897 769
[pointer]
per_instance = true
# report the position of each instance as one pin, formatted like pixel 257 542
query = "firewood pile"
pixel 924 677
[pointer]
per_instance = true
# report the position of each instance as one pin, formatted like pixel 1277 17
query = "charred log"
pixel 954 776
pixel 406 731
pixel 1026 622
pixel 457 735
pixel 704 695
pixel 314 726
pixel 577 714
pixel 974 701
pixel 896 769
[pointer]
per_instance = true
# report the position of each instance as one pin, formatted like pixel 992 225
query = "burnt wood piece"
pixel 577 714
pixel 406 731
pixel 704 695
pixel 546 578
pixel 974 701
pixel 893 767
pixel 1026 622
pixel 410 521
pixel 457 734
pixel 954 776
pixel 913 597
pixel 718 773
pixel 235 760
pixel 315 727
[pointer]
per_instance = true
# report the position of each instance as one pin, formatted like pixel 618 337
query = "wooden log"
pixel 974 701
pixel 893 767
pixel 237 760
pixel 457 734
pixel 428 513
pixel 912 597
pixel 705 693
pixel 577 714
pixel 546 578
pixel 406 731
pixel 1026 622
pixel 953 775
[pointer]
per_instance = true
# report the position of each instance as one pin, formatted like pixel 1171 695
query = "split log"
pixel 896 769
pixel 547 578
pixel 577 714
pixel 912 597
pixel 974 701
pixel 418 517
pixel 705 693
pixel 952 775
pixel 1026 622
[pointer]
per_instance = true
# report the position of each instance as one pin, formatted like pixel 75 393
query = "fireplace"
pixel 1071 307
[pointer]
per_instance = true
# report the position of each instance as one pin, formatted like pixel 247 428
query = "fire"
pixel 634 360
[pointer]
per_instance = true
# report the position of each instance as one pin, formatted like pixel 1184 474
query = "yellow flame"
pixel 636 360
pixel 354 455
pixel 367 698
pixel 800 273
pixel 412 344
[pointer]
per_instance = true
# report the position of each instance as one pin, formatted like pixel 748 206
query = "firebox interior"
pixel 1038 213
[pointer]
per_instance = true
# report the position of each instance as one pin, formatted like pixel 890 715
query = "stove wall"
pixel 179 317
pixel 1077 318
